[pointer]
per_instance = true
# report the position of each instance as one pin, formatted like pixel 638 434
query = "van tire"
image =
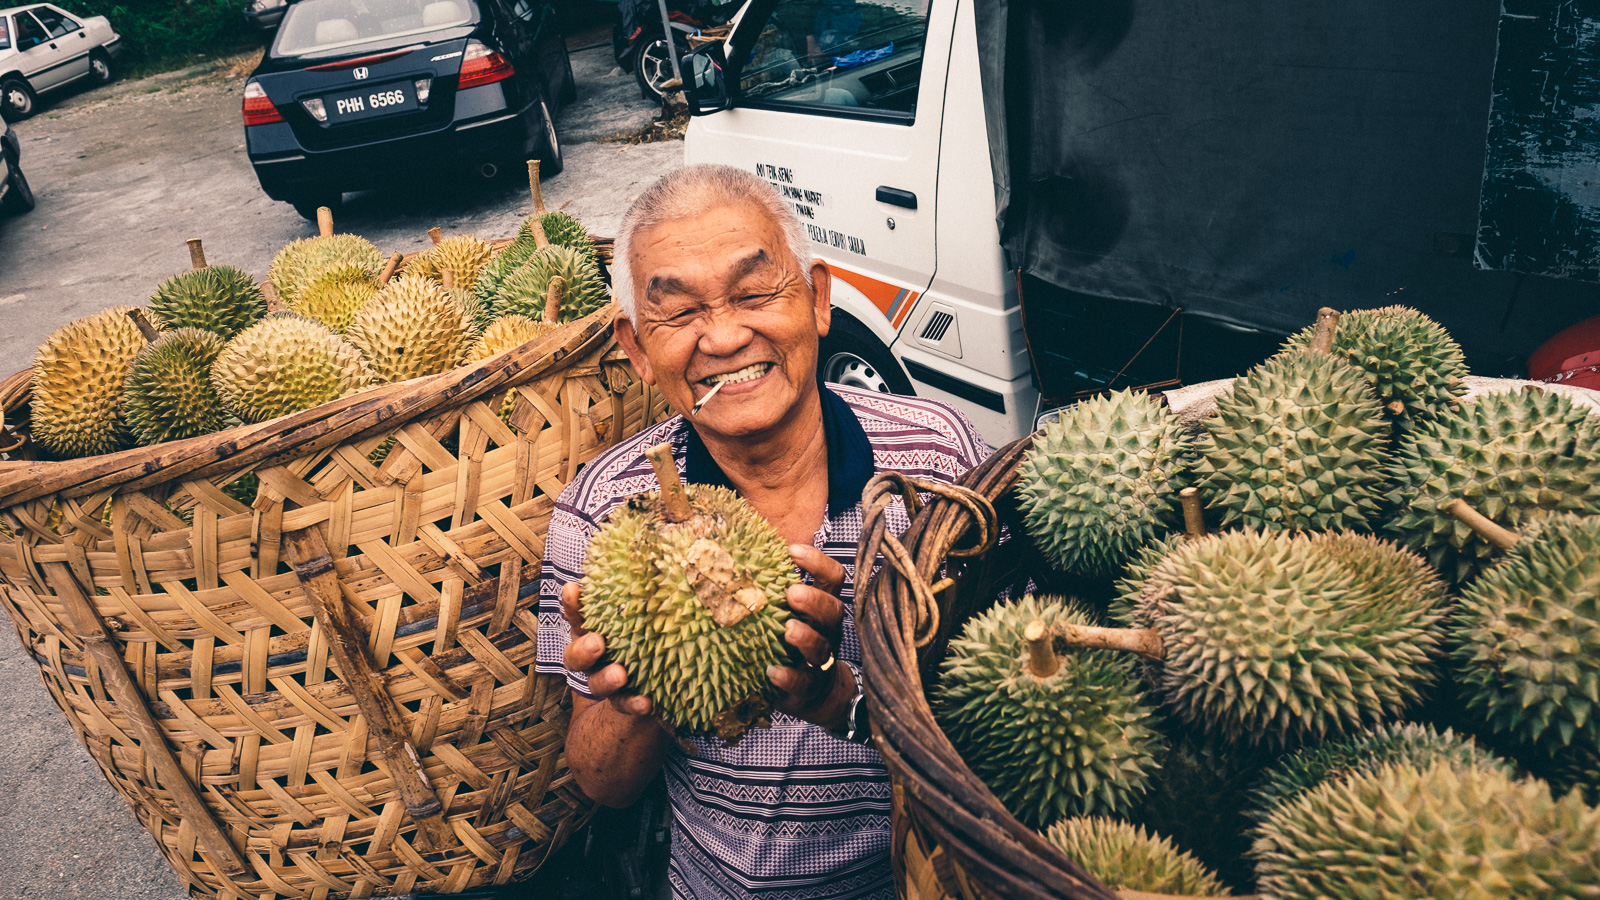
pixel 853 356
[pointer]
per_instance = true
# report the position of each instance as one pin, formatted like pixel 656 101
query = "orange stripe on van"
pixel 894 302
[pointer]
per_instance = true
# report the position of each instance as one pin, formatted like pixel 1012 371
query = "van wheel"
pixel 17 99
pixel 99 67
pixel 852 356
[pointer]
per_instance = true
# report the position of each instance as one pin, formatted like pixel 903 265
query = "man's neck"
pixel 784 475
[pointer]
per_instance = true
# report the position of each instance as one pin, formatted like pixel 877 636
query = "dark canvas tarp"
pixel 1253 161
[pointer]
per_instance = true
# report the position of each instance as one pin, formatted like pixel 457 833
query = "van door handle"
pixel 897 197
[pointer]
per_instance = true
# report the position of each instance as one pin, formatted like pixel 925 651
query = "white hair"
pixel 688 192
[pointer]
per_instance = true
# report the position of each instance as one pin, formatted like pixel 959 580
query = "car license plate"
pixel 376 100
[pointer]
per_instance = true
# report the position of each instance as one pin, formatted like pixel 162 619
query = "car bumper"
pixel 113 47
pixel 287 170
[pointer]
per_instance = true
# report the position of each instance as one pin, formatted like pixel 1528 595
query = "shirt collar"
pixel 850 463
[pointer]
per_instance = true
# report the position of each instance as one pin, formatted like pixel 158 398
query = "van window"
pixel 837 55
pixel 57 24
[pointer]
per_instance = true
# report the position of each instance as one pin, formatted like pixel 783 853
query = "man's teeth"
pixel 744 374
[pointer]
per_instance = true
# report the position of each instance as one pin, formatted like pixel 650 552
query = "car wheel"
pixel 852 356
pixel 20 198
pixel 652 67
pixel 307 206
pixel 550 162
pixel 99 67
pixel 17 98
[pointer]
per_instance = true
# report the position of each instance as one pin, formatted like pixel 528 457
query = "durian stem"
pixel 1396 408
pixel 436 234
pixel 145 328
pixel 1194 524
pixel 197 254
pixel 552 299
pixel 1322 336
pixel 390 267
pixel 673 496
pixel 448 279
pixel 273 298
pixel 324 221
pixel 1042 660
pixel 534 188
pixel 1486 528
pixel 1144 641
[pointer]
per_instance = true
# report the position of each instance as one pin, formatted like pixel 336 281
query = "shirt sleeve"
pixel 566 547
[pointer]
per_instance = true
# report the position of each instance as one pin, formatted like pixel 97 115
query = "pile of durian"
pixel 1339 639
pixel 213 349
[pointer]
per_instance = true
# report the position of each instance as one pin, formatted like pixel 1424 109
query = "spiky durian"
pixel 334 297
pixel 1299 442
pixel 1418 746
pixel 283 364
pixel 1400 832
pixel 1197 799
pixel 477 313
pixel 297 264
pixel 1577 768
pixel 78 374
pixel 1275 637
pixel 1126 856
pixel 168 394
pixel 1515 457
pixel 499 268
pixel 1102 480
pixel 1129 588
pixel 410 329
pixel 1528 636
pixel 524 292
pixel 463 255
pixel 692 603
pixel 1078 740
pixel 503 334
pixel 1412 362
pixel 219 299
pixel 565 231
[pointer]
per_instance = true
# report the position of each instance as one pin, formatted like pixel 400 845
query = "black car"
pixel 357 94
pixel 15 195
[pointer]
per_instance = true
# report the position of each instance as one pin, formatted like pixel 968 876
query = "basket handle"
pixel 921 609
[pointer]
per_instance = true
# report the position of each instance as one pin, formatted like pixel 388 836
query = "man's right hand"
pixel 584 654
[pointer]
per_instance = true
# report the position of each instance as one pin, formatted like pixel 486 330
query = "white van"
pixel 1165 190
pixel 887 162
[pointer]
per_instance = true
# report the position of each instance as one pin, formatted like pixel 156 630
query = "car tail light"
pixel 480 65
pixel 258 108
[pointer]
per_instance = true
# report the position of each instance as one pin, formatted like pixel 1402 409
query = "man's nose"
pixel 724 334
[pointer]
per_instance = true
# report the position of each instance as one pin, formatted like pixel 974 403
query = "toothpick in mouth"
pixel 699 404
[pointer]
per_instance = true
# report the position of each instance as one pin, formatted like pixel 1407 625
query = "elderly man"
pixel 717 287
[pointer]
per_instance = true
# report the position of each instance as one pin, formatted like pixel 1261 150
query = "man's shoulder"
pixel 618 473
pixel 899 421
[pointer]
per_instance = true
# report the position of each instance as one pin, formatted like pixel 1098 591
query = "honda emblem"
pixel 360 72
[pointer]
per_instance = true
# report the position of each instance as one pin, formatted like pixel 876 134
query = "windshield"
pixel 865 54
pixel 324 27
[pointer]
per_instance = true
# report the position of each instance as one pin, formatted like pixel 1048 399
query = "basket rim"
pixel 366 413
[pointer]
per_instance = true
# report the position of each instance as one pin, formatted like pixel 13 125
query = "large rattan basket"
pixel 952 838
pixel 318 681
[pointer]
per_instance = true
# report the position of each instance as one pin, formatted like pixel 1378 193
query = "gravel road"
pixel 123 175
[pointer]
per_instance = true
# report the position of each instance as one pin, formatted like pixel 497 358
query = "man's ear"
pixel 628 339
pixel 822 296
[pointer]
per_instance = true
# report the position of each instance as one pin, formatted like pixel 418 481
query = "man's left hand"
pixel 820 691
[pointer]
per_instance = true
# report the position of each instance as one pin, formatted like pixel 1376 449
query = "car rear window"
pixel 323 27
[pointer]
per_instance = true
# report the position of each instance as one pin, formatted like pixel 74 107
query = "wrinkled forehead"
pixel 710 250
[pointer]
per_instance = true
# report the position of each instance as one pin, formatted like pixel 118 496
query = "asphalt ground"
pixel 123 175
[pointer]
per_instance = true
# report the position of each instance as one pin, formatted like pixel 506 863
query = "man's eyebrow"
pixel 667 284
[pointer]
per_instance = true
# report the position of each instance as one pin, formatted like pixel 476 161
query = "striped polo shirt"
pixel 791 812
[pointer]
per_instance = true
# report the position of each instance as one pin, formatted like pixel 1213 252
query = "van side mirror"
pixel 704 85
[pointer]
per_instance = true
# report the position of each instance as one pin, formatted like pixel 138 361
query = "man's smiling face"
pixel 722 299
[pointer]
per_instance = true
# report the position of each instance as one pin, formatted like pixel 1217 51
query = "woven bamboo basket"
pixel 325 688
pixel 952 839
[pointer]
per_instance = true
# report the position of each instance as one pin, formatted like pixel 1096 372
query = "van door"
pixel 838 103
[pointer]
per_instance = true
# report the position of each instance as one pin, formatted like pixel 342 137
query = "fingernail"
pixel 795 549
pixel 773 672
pixel 791 631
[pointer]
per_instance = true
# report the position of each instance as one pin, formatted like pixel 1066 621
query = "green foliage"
pixel 158 35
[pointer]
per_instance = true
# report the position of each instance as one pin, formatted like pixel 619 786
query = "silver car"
pixel 43 48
